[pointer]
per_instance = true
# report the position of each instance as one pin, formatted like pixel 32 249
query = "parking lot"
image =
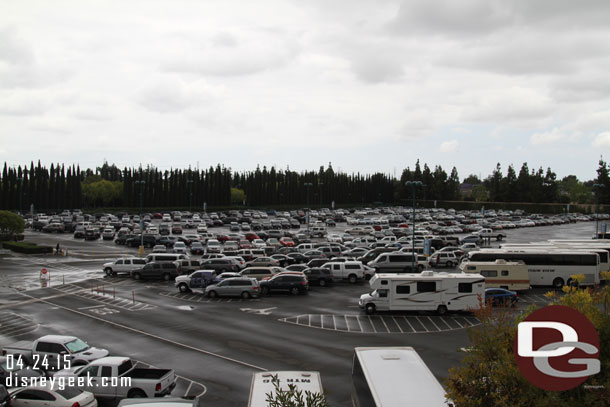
pixel 216 344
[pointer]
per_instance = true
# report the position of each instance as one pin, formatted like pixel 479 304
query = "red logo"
pixel 557 348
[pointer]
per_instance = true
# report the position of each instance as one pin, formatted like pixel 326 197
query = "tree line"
pixel 68 187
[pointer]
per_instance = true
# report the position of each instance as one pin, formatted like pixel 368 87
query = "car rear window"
pixel 124 367
pixel 69 392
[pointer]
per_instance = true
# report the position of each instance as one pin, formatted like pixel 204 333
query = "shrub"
pixel 27 247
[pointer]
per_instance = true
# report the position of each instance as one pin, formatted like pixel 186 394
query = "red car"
pixel 222 238
pixel 287 242
pixel 251 236
pixel 245 244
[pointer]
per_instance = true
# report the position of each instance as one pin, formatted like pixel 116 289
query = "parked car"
pixel 259 273
pixel 500 296
pixel 234 287
pixel 159 248
pixel 124 265
pixel 197 279
pixel 220 265
pixel 197 248
pixel 156 271
pixel 318 276
pixel 186 266
pixel 15 370
pixel 263 261
pixel 52 396
pixel 108 234
pixel 292 283
pixel 144 382
pixel 443 259
pixel 180 247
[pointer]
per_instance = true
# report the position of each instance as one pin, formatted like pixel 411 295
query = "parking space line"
pixel 422 324
pixel 359 324
pixel 334 323
pixel 384 324
pixel 433 323
pixel 445 322
pixel 406 319
pixel 372 325
pixel 396 322
pixel 346 323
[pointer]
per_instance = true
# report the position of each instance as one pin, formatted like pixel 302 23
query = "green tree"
pixel 293 397
pixel 11 223
pixel 238 196
pixel 479 193
pixel 575 190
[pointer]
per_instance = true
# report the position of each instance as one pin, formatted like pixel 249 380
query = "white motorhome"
pixel 394 377
pixel 428 291
pixel 262 384
pixel 511 275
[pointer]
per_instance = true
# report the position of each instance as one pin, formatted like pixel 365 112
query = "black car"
pixel 168 241
pixel 292 283
pixel 156 271
pixel 298 257
pixel 147 240
pixel 92 234
pixel 316 262
pixel 318 276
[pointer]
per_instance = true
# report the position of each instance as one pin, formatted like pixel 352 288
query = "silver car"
pixel 234 287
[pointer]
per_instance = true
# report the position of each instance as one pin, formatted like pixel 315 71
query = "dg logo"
pixel 557 348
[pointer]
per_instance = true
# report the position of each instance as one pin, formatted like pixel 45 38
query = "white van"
pixel 165 257
pixel 510 275
pixel 428 291
pixel 351 271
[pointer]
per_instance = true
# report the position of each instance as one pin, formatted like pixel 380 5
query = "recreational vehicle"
pixel 511 275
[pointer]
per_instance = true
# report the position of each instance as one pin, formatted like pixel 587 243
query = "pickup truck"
pixel 490 234
pixel 117 377
pixel 198 279
pixel 123 265
pixel 55 352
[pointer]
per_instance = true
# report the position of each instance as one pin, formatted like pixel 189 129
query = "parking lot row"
pixel 14 325
pixel 395 324
pixel 199 297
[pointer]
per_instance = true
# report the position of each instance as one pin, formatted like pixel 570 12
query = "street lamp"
pixel 413 185
pixel 597 187
pixel 189 182
pixel 141 184
pixel 308 185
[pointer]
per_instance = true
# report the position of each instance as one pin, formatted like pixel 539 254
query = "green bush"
pixel 27 247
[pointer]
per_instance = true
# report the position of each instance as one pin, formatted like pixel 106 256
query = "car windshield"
pixel 76 345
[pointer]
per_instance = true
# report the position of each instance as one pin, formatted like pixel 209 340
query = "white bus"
pixel 262 384
pixel 603 252
pixel 394 377
pixel 428 291
pixel 511 275
pixel 547 267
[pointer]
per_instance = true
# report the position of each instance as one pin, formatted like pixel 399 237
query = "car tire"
pixel 420 268
pixel 499 238
pixel 212 294
pixel 183 288
pixel 295 290
pixel 322 282
pixel 352 279
pixel 558 283
pixel 166 277
pixel 246 295
pixel 449 264
pixel 136 394
pixel 441 310
pixel 265 290
pixel 137 276
pixel 108 271
pixel 369 309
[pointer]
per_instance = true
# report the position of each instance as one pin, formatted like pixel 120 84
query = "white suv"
pixel 445 259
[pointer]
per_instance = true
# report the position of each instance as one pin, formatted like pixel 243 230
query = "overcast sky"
pixel 367 85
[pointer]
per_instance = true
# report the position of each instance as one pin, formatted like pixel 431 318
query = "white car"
pixel 166 217
pixel 259 243
pixel 180 247
pixel 51 396
pixel 334 238
pixel 202 228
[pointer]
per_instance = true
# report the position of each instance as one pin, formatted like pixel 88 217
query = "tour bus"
pixel 394 377
pixel 428 291
pixel 602 251
pixel 547 267
pixel 511 275
pixel 262 384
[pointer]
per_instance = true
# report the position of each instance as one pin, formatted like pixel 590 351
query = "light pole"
pixel 413 185
pixel 597 187
pixel 190 184
pixel 141 184
pixel 308 185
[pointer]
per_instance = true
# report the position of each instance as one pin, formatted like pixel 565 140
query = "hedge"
pixel 27 247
